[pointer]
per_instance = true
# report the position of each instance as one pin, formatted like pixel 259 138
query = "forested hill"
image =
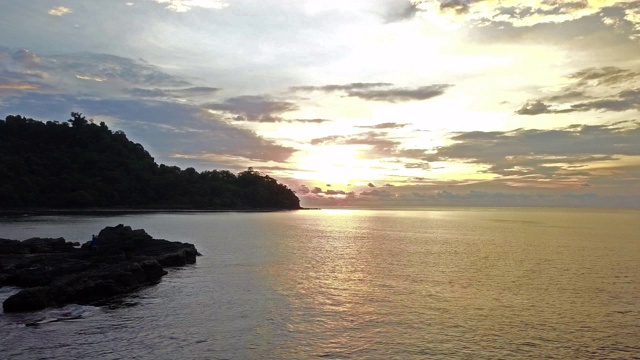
pixel 78 164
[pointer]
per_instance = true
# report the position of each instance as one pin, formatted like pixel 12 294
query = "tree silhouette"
pixel 54 165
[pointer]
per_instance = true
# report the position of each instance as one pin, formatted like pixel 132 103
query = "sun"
pixel 334 164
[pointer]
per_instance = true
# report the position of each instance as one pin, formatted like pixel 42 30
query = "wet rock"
pixel 47 245
pixel 56 273
pixel 12 247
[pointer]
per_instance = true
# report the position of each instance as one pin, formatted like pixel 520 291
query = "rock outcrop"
pixel 55 272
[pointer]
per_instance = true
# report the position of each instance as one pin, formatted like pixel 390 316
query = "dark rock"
pixel 152 269
pixel 56 273
pixel 35 246
pixel 12 247
pixel 28 299
pixel 47 245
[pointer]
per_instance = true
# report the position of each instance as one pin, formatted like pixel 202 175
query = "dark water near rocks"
pixel 439 283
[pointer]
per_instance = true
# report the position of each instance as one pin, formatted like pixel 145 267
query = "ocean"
pixel 438 283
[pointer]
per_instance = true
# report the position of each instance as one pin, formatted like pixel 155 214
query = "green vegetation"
pixel 78 164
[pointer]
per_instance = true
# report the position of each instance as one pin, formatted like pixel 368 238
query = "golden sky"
pixel 376 103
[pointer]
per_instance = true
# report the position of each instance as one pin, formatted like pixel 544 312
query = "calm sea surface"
pixel 437 283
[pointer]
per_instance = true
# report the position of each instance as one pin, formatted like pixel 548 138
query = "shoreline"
pixel 124 211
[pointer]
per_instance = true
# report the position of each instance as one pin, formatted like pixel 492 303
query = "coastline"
pixel 123 211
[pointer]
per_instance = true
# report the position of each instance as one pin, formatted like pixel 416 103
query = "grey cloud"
pixel 111 67
pixel 255 108
pixel 568 97
pixel 337 192
pixel 534 152
pixel 608 75
pixel 93 74
pixel 381 91
pixel 380 145
pixel 318 194
pixel 590 33
pixel 554 8
pixel 419 154
pixel 623 101
pixel 533 108
pixel 196 91
pixel 164 128
pixel 378 194
pixel 345 87
pixel 148 93
pixel 398 95
pixel 172 93
pixel 395 11
pixel 604 79
pixel 26 58
pixel 371 185
pixel 304 189
pixel 310 121
pixel 458 6
pixel 420 165
pixel 19 71
pixel 478 195
pixel 387 125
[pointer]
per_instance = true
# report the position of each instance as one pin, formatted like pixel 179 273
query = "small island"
pixel 80 165
pixel 54 272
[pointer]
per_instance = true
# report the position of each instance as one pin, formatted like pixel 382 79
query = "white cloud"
pixel 186 5
pixel 59 11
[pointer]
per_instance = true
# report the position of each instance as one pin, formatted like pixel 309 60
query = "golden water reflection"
pixel 365 284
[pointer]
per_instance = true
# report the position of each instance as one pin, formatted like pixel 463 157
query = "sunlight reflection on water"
pixel 471 283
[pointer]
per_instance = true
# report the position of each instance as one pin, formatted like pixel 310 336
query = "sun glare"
pixel 336 164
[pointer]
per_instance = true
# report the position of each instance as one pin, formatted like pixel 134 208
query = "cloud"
pixel 384 194
pixel 59 11
pixel 345 87
pixel 112 68
pixel 402 10
pixel 186 5
pixel 336 192
pixel 420 165
pixel 400 95
pixel 169 130
pixel 26 58
pixel 546 154
pixel 531 13
pixel 254 108
pixel 190 92
pixel 533 108
pixel 603 76
pixel 381 91
pixel 569 96
pixel 309 121
pixel 458 6
pixel 94 74
pixel 623 101
pixel 371 185
pixel 592 89
pixel 606 32
pixel 474 194
pixel 379 146
pixel 387 125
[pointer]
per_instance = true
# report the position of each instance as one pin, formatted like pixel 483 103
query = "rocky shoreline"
pixel 54 272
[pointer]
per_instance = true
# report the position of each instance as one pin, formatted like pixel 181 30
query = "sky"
pixel 376 103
